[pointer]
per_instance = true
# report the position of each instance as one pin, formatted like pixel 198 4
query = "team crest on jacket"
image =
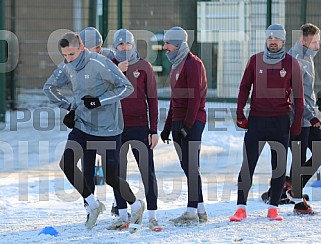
pixel 282 73
pixel 136 73
pixel 177 75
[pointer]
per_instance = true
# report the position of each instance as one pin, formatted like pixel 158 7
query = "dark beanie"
pixel 175 36
pixel 277 31
pixel 91 37
pixel 123 36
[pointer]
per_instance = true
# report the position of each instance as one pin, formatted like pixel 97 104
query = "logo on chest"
pixel 282 73
pixel 136 73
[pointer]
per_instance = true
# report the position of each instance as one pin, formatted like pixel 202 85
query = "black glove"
pixel 69 119
pixel 165 135
pixel 319 104
pixel 319 100
pixel 183 132
pixel 91 102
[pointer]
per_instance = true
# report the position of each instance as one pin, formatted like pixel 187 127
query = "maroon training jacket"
pixel 271 87
pixel 141 107
pixel 188 92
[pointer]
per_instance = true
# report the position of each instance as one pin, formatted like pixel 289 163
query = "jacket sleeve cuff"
pixel 314 121
pixel 152 132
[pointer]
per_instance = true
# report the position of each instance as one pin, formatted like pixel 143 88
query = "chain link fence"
pixel 224 34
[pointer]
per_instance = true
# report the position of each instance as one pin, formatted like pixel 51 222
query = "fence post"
pixel 92 13
pixel 119 14
pixel 303 11
pixel 268 13
pixel 13 97
pixel 103 19
pixel 3 61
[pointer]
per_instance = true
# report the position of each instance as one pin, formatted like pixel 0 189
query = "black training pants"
pixel 261 130
pixel 79 144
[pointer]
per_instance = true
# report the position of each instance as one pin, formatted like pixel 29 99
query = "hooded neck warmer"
pixel 307 51
pixel 177 56
pixel 273 58
pixel 132 55
pixel 80 61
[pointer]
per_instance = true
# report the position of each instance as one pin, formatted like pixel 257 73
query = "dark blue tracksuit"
pixel 261 130
pixel 188 151
pixel 137 137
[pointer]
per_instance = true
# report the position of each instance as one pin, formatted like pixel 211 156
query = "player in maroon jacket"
pixel 140 113
pixel 272 75
pixel 186 118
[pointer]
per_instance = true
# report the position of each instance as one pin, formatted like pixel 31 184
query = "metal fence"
pixel 299 12
pixel 225 34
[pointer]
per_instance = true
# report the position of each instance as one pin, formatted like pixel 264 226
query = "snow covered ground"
pixel 34 193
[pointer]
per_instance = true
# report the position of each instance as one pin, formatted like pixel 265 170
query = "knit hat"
pixel 91 37
pixel 123 36
pixel 175 36
pixel 277 31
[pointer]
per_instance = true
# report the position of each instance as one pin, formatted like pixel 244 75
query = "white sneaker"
pixel 137 216
pixel 119 225
pixel 93 215
pixel 202 217
pixel 154 226
pixel 186 219
pixel 87 210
